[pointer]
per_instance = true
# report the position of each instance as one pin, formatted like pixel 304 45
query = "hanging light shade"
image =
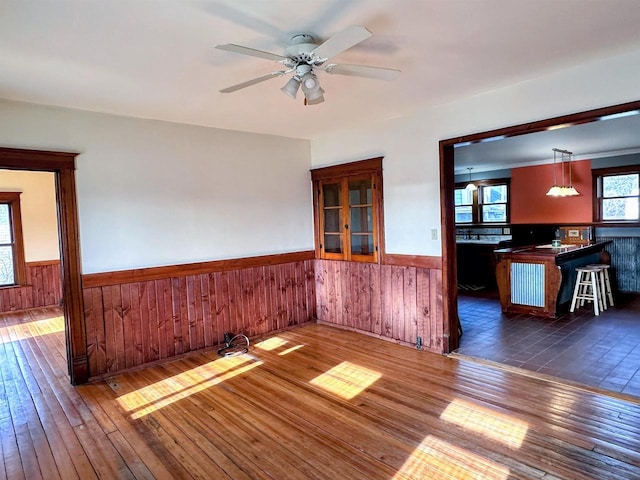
pixel 313 92
pixel 554 191
pixel 291 87
pixel 470 186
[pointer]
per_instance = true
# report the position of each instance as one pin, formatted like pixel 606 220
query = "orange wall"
pixel 530 204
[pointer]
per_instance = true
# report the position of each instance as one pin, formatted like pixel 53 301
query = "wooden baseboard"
pixel 376 335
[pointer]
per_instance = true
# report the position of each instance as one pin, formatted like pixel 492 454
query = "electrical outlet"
pixel 434 234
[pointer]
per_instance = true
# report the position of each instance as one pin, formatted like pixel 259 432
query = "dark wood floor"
pixel 599 351
pixel 314 402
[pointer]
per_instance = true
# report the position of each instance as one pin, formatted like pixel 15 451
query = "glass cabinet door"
pixel 332 218
pixel 361 229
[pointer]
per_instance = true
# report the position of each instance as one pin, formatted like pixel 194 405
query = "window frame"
pixel 596 175
pixel 15 218
pixel 476 206
pixel 343 173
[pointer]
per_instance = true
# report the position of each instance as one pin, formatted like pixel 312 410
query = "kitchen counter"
pixel 539 279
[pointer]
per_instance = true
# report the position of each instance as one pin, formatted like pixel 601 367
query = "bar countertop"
pixel 561 254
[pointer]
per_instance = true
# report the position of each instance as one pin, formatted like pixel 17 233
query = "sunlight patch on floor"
pixel 165 392
pixel 23 331
pixel 497 426
pixel 437 459
pixel 291 349
pixel 346 379
pixel 271 343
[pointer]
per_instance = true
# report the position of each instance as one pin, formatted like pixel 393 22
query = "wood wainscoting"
pixel 397 301
pixel 154 314
pixel 43 288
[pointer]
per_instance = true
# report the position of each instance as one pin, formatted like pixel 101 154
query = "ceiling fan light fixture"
pixel 291 87
pixel 309 83
pixel 315 101
pixel 314 95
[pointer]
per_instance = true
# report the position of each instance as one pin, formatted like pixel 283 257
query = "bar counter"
pixel 539 279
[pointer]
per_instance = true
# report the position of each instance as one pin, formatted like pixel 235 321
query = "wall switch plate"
pixel 434 234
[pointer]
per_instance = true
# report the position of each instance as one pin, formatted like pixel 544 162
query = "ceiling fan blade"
pixel 248 83
pixel 342 41
pixel 363 71
pixel 232 47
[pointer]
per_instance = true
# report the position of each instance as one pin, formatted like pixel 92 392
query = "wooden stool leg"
pixel 594 291
pixel 608 286
pixel 602 290
pixel 576 292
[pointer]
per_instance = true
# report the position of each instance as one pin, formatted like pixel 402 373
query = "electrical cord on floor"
pixel 234 345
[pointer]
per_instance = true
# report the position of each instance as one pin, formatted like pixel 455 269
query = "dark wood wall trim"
pixel 42 263
pixel 36 160
pixel 370 165
pixel 449 287
pixel 120 277
pixel 421 261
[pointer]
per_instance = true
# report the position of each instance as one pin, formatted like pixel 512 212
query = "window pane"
pixel 6 266
pixel 361 220
pixel 464 215
pixel 494 194
pixel 331 194
pixel 463 196
pixel 494 213
pixel 5 224
pixel 620 209
pixel 620 185
pixel 360 192
pixel 362 244
pixel 332 220
pixel 333 243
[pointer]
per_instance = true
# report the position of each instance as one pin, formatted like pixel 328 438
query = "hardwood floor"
pixel 313 402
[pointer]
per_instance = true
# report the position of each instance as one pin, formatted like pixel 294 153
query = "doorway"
pixel 62 165
pixel 451 292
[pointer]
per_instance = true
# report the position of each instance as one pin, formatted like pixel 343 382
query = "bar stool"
pixel 605 283
pixel 587 289
pixel 601 286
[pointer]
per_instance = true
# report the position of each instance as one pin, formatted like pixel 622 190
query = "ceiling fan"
pixel 304 56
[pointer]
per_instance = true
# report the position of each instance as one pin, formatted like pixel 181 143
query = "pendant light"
pixel 563 190
pixel 470 186
pixel 554 191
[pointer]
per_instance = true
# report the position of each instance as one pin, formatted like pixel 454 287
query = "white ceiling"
pixel 599 139
pixel 156 58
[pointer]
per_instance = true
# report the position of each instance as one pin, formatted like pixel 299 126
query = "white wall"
pixel 155 193
pixel 38 212
pixel 410 144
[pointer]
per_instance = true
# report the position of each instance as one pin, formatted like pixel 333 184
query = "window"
pixel 617 194
pixel 348 211
pixel 12 267
pixel 488 204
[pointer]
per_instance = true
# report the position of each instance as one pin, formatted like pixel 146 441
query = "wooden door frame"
pixel 449 272
pixel 62 164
